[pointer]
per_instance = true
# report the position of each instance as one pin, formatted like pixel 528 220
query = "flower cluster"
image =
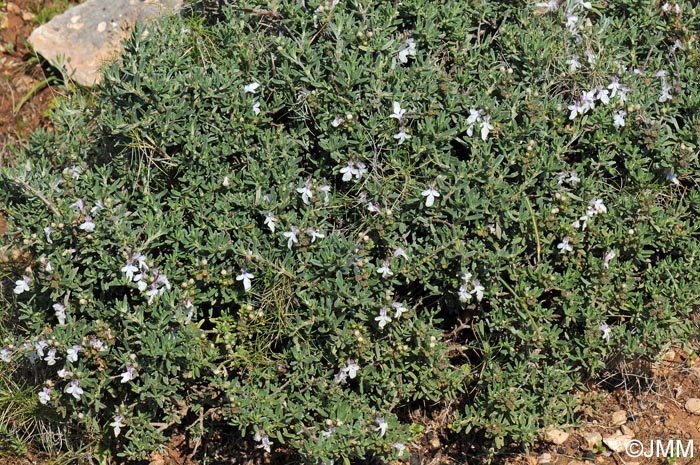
pixel 595 207
pixel 465 294
pixel 484 120
pixel 159 282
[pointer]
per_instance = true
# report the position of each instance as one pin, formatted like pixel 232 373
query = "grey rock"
pixel 89 35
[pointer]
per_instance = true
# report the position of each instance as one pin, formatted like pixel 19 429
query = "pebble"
pixel 619 418
pixel 27 16
pixel 556 437
pixel 617 443
pixel 592 440
pixel 693 406
pixel 544 458
pixel 627 431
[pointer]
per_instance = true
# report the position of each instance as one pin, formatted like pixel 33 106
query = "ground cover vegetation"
pixel 311 218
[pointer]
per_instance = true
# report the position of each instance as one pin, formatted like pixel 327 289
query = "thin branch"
pixel 37 194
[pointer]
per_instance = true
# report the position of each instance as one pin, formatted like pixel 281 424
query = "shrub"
pixel 311 218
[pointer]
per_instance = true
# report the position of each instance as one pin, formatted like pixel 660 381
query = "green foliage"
pixel 310 218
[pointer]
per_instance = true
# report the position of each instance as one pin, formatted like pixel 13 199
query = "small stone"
pixel 27 16
pixel 556 437
pixel 693 406
pixel 619 418
pixel 12 8
pixel 592 440
pixel 669 356
pixel 617 443
pixel 627 431
pixel 4 22
pixel 544 458
pixel 102 27
pixel 434 443
pixel 660 406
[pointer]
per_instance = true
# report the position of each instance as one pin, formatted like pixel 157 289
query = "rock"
pixel 12 8
pixel 619 418
pixel 556 437
pixel 544 458
pixel 669 356
pixel 89 35
pixel 693 406
pixel 627 431
pixel 617 443
pixel 592 440
pixel 4 21
pixel 27 16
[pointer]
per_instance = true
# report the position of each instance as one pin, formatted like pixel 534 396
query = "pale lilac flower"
pixel 598 206
pixel 486 126
pixel 40 346
pixel 128 375
pixel 48 268
pixel 576 109
pixel 348 171
pixel 609 255
pixel 398 111
pixel 383 318
pixel 326 190
pixel 88 225
pixel 622 94
pixel 5 355
pixel 573 63
pixel 549 6
pixel 63 373
pixel 72 353
pixel 264 441
pixel 588 100
pixel 584 4
pixel 328 432
pixel 270 221
pixel 400 448
pixel 22 285
pixel 571 21
pixel 78 205
pixel 619 119
pixel 361 169
pixel 292 236
pixel 314 234
pixel 670 177
pixel 45 396
pixel 245 277
pixel 603 96
pixel 678 45
pixel 305 192
pixel 430 193
pixel 478 290
pixel 660 73
pixel 342 376
pixel 74 389
pixel 374 207
pixel 226 182
pixel 337 121
pixel 409 50
pixel 564 246
pixel 251 88
pixel 352 368
pixel 665 93
pixel 402 136
pixel 590 56
pixel 399 252
pixel 73 171
pixel 383 426
pixel 47 231
pixel 607 331
pixel 256 108
pixel 117 425
pixel 99 205
pixel 614 86
pixel 464 294
pixel 97 344
pixel 384 270
pixel 400 309
pixel 573 178
pixel 51 357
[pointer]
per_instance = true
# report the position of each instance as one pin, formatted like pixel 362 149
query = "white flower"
pixel 352 368
pixel 399 252
pixel 384 270
pixel 590 56
pixel 292 236
pixel 305 192
pixel 409 50
pixel 314 234
pixel 45 396
pixel 402 136
pixel 582 3
pixel 374 207
pixel 464 294
pixel 383 318
pixel 48 268
pixel 5 355
pixel 609 255
pixel 478 290
pixel 78 205
pixel 63 373
pixel 550 6
pixel 614 86
pixel 74 389
pixel 474 117
pixel 588 100
pixel 607 331
pixel 398 111
pixel 88 225
pixel 256 107
pixel 117 425
pixel 576 109
pixel 348 171
pixel 128 375
pixel 400 309
pixel 573 178
pixel 326 189
pixel 22 285
pixel 571 21
pixel 660 73
pixel 485 127
pixel 337 121
pixel 383 426
pixel 270 221
pixel 40 346
pixel 564 246
pixel 665 93
pixel 603 96
pixel 264 441
pixel 430 193
pixel 251 88
pixel 670 177
pixel 72 353
pixel 573 63
pixel 598 206
pixel 619 119
pixel 47 231
pixel 97 344
pixel 400 448
pixel 361 169
pixel 245 277
pixel 99 205
pixel 51 357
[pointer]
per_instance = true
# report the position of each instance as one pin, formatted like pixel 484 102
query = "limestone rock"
pixel 88 36
pixel 619 418
pixel 592 440
pixel 617 443
pixel 693 406
pixel 556 437
pixel 544 458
